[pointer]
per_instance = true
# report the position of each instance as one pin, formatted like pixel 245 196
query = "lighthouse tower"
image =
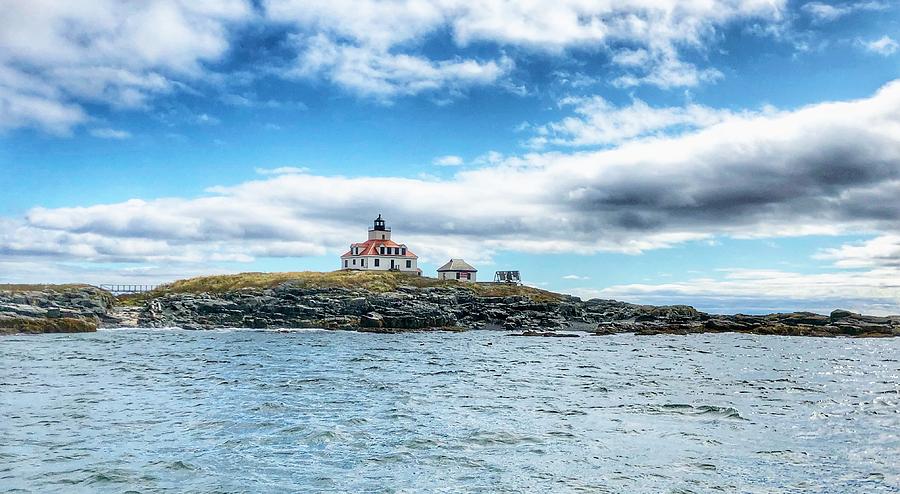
pixel 379 231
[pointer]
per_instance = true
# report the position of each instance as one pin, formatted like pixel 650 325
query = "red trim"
pixel 373 248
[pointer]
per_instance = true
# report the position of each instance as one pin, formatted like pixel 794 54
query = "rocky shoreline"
pixel 54 308
pixel 452 307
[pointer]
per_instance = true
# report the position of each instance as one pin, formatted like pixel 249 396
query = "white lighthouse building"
pixel 380 253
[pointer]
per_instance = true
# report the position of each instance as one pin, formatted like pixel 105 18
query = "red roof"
pixel 373 248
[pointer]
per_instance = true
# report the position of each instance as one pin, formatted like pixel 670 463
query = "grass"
pixel 373 281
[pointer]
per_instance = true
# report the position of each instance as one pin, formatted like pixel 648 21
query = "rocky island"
pixel 388 302
pixel 53 308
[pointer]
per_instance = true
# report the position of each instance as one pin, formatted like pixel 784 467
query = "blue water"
pixel 267 411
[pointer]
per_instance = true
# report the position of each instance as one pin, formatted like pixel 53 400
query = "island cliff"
pixel 53 308
pixel 390 302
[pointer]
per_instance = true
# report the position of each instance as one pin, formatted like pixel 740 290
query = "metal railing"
pixel 121 289
pixel 507 277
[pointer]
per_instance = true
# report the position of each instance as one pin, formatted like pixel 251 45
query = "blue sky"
pixel 739 155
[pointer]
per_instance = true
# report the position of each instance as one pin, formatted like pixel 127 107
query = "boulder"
pixel 545 334
pixel 371 320
pixel 40 325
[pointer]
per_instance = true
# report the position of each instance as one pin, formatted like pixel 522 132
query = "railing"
pixel 507 277
pixel 121 289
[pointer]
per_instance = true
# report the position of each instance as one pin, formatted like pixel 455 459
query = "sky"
pixel 735 155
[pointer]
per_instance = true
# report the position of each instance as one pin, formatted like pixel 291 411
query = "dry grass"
pixel 364 280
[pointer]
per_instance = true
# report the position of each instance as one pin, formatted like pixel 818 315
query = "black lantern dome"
pixel 379 224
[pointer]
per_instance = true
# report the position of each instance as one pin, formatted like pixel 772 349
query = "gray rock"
pixel 371 320
pixel 56 309
pixel 412 309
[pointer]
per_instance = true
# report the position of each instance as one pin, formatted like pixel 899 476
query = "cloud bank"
pixel 825 169
pixel 55 57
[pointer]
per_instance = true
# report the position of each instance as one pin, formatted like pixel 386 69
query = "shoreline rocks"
pixel 838 323
pixel 456 308
pixel 68 309
pixel 406 308
pixel 41 325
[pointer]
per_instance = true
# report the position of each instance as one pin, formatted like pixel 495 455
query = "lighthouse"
pixel 380 253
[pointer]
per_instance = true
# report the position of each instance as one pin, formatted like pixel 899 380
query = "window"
pixel 346 263
pixel 457 275
pixel 382 250
pixel 382 236
pixel 408 264
pixel 403 251
pixel 377 262
pixel 354 262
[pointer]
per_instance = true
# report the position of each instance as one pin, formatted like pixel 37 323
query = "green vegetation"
pixel 45 325
pixel 363 280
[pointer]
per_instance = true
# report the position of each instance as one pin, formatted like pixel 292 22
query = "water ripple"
pixel 288 411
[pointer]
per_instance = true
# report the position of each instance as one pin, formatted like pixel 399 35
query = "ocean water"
pixel 317 411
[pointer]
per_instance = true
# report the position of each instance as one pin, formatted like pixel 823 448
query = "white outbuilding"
pixel 457 269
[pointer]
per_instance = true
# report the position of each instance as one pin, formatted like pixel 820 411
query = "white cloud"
pixel 666 71
pixel 763 291
pixel 657 28
pixel 54 56
pixel 823 12
pixel 58 57
pixel 107 133
pixel 382 74
pixel 367 46
pixel 880 252
pixel 20 109
pixel 825 169
pixel 884 45
pixel 489 158
pixel 206 119
pixel 599 122
pixel 575 277
pixel 448 160
pixel 250 100
pixel 39 270
pixel 282 170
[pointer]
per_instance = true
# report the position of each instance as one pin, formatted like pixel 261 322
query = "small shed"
pixel 457 269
